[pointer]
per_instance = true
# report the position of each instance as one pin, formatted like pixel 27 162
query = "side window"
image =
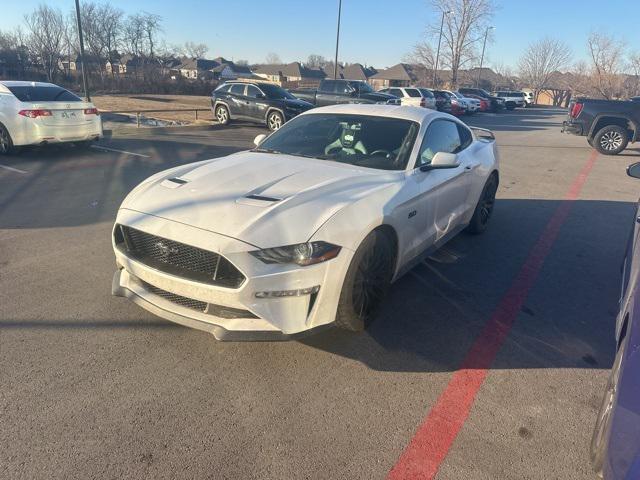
pixel 252 91
pixel 413 92
pixel 465 137
pixel 237 89
pixel 343 87
pixel 328 86
pixel 441 136
pixel 396 92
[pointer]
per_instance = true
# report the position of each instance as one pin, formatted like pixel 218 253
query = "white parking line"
pixel 11 169
pixel 100 147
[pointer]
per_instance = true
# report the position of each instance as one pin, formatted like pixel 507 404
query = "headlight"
pixel 302 254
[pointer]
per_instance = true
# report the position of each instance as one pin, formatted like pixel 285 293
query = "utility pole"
pixel 435 69
pixel 335 64
pixel 82 57
pixel 482 56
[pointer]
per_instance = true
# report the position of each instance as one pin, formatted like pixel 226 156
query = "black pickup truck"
pixel 333 92
pixel 609 125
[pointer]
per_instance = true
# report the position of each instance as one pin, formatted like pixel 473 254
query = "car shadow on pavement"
pixel 435 312
pixel 72 187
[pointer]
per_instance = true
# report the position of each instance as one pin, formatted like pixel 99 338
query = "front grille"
pixel 177 258
pixel 177 299
pixel 216 310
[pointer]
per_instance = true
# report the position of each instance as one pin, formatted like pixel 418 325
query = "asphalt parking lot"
pixel 504 339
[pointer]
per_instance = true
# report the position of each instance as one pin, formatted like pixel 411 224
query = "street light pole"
pixel 486 33
pixel 435 70
pixel 335 64
pixel 84 78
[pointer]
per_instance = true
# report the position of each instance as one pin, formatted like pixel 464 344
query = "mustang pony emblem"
pixel 165 250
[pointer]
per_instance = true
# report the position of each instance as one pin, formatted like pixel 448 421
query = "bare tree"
pixel 316 61
pixel 422 54
pixel 195 50
pixel 273 58
pixel 541 60
pixel 242 62
pixel 464 26
pixel 634 69
pixel 607 55
pixel 133 34
pixel 151 26
pixel 46 30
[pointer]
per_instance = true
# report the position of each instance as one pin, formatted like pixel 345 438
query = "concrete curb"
pixel 146 131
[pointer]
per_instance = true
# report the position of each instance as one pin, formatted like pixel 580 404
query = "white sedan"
pixel 36 113
pixel 307 229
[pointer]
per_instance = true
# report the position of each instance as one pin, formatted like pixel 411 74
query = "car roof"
pixel 404 112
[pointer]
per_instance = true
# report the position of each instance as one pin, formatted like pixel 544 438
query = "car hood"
pixel 263 199
pixel 377 96
pixel 297 104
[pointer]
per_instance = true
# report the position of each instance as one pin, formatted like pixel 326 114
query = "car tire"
pixel 222 114
pixel 367 282
pixel 600 437
pixel 6 142
pixel 484 208
pixel 275 120
pixel 611 140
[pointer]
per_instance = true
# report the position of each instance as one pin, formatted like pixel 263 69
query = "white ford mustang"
pixel 307 229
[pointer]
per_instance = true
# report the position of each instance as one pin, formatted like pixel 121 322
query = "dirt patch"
pixel 119 103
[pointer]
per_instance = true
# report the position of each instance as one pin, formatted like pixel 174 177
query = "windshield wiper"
pixel 265 150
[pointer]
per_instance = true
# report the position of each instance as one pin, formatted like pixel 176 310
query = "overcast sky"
pixel 374 32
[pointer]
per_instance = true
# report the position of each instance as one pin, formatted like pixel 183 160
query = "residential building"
pixel 292 72
pixel 400 75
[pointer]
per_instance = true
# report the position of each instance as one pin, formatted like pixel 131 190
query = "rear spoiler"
pixel 483 133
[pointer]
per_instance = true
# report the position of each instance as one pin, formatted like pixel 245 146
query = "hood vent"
pixel 262 198
pixel 174 182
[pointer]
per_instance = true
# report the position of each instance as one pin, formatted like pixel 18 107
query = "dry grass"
pixel 151 102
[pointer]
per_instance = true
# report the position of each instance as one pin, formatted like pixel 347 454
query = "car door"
pixel 238 104
pixel 326 93
pixel 439 200
pixel 257 103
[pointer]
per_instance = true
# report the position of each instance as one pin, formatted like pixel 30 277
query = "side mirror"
pixel 353 93
pixel 259 139
pixel 442 160
pixel 634 170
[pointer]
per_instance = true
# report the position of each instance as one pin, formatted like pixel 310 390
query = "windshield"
pixel 274 91
pixel 43 94
pixel 361 87
pixel 366 141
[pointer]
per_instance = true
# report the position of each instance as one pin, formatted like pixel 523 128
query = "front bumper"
pixel 260 318
pixel 572 128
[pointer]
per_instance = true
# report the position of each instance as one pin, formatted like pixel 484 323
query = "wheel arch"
pixel 272 108
pixel 604 119
pixel 221 102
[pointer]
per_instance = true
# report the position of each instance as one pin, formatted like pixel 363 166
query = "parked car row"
pixel 272 106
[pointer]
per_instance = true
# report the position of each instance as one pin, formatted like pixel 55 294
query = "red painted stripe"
pixel 433 439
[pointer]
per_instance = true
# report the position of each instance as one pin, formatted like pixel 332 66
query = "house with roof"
pixel 400 75
pixel 292 72
pixel 216 69
pixel 125 65
pixel 74 63
pixel 354 71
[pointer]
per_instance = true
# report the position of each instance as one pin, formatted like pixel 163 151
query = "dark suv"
pixel 260 102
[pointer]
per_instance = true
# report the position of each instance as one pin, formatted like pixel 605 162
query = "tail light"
pixel 576 109
pixel 35 113
pixel 91 111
